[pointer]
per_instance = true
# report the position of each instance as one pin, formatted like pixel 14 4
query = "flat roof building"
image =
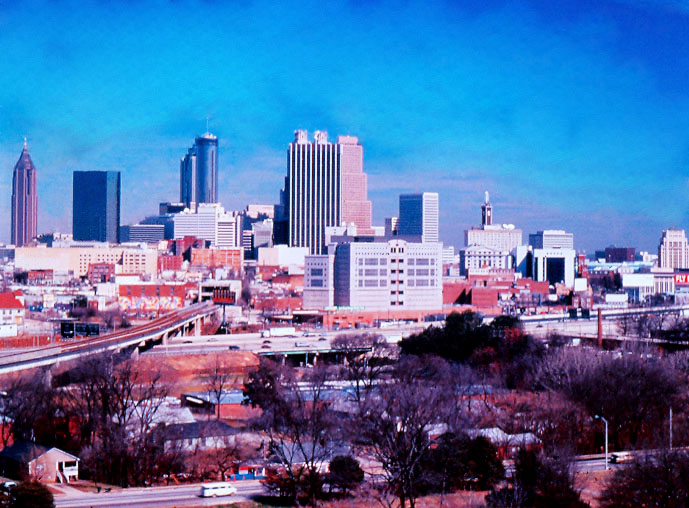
pixel 551 239
pixel 379 276
pixel 418 217
pixel 96 206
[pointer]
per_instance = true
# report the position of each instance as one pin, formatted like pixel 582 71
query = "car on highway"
pixel 301 344
pixel 321 339
pixel 217 489
pixel 234 348
pixel 265 346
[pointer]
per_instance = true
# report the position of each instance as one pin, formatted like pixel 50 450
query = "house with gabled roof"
pixel 28 460
pixel 11 313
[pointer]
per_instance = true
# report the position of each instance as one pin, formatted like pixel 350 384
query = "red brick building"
pixel 231 258
pixel 100 272
pixel 169 262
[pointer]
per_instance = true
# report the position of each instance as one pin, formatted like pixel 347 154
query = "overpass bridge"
pixel 610 314
pixel 187 320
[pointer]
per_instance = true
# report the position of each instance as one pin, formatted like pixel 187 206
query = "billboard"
pixel 682 279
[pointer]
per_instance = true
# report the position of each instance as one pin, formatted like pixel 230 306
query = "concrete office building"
pixel 96 206
pixel 380 276
pixel 77 259
pixel 283 256
pixel 24 200
pixel 325 186
pixel 555 265
pixel 551 239
pixel 198 173
pixel 477 257
pixel 418 217
pixel 210 222
pixel 673 251
pixel 550 257
pixel 262 234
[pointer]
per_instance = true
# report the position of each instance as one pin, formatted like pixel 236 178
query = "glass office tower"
pixel 199 172
pixel 96 206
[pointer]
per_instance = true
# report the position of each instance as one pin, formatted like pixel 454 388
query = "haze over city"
pixel 573 116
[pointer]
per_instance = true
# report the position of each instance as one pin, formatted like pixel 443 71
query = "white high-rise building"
pixel 673 251
pixel 210 222
pixel 418 217
pixel 325 186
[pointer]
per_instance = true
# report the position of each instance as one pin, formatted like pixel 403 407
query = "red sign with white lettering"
pixel 682 279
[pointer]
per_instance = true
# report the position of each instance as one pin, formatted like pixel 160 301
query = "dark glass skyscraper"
pixel 199 172
pixel 96 206
pixel 24 202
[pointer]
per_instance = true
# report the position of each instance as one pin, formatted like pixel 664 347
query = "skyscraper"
pixel 198 179
pixel 24 201
pixel 96 206
pixel 325 186
pixel 418 216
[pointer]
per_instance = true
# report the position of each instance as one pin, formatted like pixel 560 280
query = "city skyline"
pixel 571 118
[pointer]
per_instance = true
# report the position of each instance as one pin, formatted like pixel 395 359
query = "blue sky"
pixel 573 115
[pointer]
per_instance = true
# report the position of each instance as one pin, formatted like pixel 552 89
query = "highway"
pixel 48 355
pixel 179 495
pixel 312 341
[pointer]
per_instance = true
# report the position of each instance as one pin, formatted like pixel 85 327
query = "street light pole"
pixel 599 417
pixel 670 428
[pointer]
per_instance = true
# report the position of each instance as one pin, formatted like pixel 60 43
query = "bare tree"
pixel 366 357
pixel 298 420
pixel 218 380
pixel 632 389
pixel 394 422
pixel 119 403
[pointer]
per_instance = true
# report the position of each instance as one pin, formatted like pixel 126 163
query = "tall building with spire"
pixel 24 200
pixel 486 213
pixel 198 172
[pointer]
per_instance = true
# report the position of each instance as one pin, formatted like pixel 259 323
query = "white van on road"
pixel 217 489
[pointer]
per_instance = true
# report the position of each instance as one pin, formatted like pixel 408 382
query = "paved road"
pixel 187 495
pixel 315 341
